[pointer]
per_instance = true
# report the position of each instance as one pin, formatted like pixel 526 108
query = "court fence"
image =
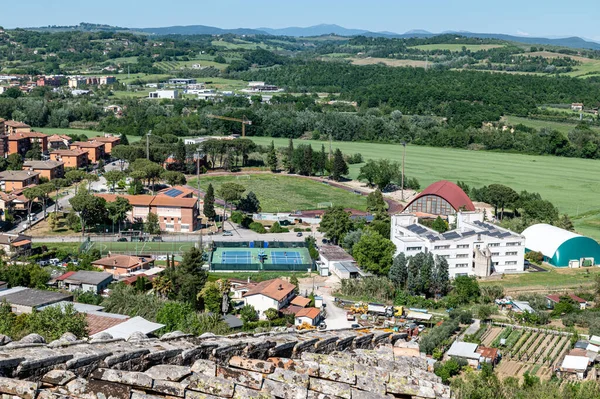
pixel 292 267
pixel 259 244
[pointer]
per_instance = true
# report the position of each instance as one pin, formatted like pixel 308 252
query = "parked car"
pixel 122 239
pixel 355 325
pixel 322 326
pixel 43 263
pixel 227 233
pixel 299 234
pixel 157 239
pixel 54 261
pixel 421 327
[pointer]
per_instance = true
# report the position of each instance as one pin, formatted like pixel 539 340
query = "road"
pixel 336 317
pixel 39 216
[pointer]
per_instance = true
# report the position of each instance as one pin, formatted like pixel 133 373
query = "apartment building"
pixel 94 150
pixel 12 127
pixel 11 180
pixel 474 248
pixel 58 141
pixel 109 142
pixel 119 265
pixel 48 169
pixel 71 158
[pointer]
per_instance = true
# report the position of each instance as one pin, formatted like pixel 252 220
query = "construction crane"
pixel 243 121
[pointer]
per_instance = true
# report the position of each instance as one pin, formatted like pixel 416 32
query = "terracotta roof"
pixel 152 200
pixel 122 261
pixel 34 134
pixel 275 289
pixel 300 301
pixel 87 144
pixel 131 280
pixel 65 276
pixel 101 139
pixel 59 137
pixel 21 243
pixel 135 200
pixel 17 137
pixel 450 192
pixel 556 298
pixel 311 313
pixel 97 323
pixel 69 153
pixel 17 175
pixel 488 353
pixel 15 124
pixel 291 309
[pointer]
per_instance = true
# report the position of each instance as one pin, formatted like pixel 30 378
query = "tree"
pixel 350 239
pixel 152 225
pixel 91 209
pixel 369 172
pixel 335 223
pixel 339 167
pixel 271 314
pixel 564 222
pixel 374 253
pixel 117 211
pixel 272 158
pixel 230 192
pixel 32 194
pixel 294 281
pixel 173 178
pixel 180 155
pixel 250 204
pixel 209 203
pixel 248 314
pixel 440 225
pixel 189 278
pixel 52 322
pixel 399 271
pixel 35 152
pixel 465 289
pixel 440 280
pixel 375 202
pixel 15 162
pixel 212 297
pixel 113 177
pixel 289 156
pixel 162 286
pixel 57 184
pixel 501 196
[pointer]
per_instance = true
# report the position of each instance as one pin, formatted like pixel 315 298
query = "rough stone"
pixel 106 389
pixel 23 389
pixel 247 393
pixel 110 361
pixel 137 336
pixel 289 377
pixel 199 395
pixel 332 368
pixel 140 395
pixel 260 366
pixel 250 379
pixel 285 391
pixel 58 377
pixel 77 386
pixel 331 387
pixel 32 339
pixel 172 335
pixel 319 395
pixel 69 337
pixel 372 379
pixel 206 367
pixel 212 385
pixel 103 336
pixel 170 388
pixel 299 366
pixel 168 372
pixel 4 339
pixel 358 394
pixel 133 378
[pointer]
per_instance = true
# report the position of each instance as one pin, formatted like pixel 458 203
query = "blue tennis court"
pixel 236 257
pixel 287 257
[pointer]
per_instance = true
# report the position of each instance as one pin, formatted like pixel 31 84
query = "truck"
pixel 349 316
pixel 380 310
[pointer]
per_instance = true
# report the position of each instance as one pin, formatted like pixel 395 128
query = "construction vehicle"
pixel 244 121
pixel 350 316
pixel 359 308
pixel 305 326
pixel 398 311
pixel 380 310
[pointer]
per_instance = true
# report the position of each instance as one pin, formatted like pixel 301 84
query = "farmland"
pixel 563 127
pixel 88 133
pixel 527 350
pixel 457 47
pixel 278 193
pixel 387 61
pixel 555 278
pixel 572 184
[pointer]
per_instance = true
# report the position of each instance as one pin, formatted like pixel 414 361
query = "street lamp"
pixel 403 160
pixel 148 144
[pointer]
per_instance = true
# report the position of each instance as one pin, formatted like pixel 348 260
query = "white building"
pixel 474 248
pixel 182 81
pixel 164 94
pixel 275 294
pixel 310 316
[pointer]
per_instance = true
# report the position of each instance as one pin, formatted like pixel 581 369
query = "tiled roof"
pixel 17 175
pixel 101 139
pixel 87 144
pixel 15 124
pixel 450 192
pixel 69 153
pixel 311 313
pixel 122 261
pixel 275 289
pixel 556 298
pixel 154 200
pixel 300 301
pixel 45 165
pixel 65 276
pixel 97 323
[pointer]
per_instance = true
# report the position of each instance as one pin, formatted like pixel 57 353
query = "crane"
pixel 244 121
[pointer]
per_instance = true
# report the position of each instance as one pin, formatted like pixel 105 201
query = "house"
pixel 107 80
pixel 574 367
pixel 182 81
pixel 300 301
pixel 26 300
pixel 95 150
pixel 175 214
pixel 18 144
pixel 91 281
pixel 49 169
pixel 109 142
pixel 122 265
pixel 311 316
pixel 164 94
pixel 13 201
pixel 11 180
pixel 474 248
pixel 577 107
pixel 72 158
pixel 136 324
pixel 14 243
pixel 474 354
pixel 270 294
pixel 239 289
pixel 552 300
pixel 58 141
pixel 177 192
pixel 14 127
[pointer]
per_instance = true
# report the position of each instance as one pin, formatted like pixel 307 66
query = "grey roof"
pixel 136 324
pixel 347 266
pixel 42 164
pixel 89 277
pixel 464 349
pixel 34 298
pixel 232 321
pixel 17 175
pixel 79 307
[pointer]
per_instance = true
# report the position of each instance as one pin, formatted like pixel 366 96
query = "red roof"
pixel 311 313
pixel 556 298
pixel 450 192
pixel 65 276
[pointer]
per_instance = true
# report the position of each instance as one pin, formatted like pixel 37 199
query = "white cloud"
pixel 521 33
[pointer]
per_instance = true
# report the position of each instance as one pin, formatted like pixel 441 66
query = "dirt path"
pixel 491 336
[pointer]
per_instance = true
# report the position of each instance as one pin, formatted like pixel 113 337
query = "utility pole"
pixel 148 145
pixel 198 181
pixel 329 147
pixel 403 160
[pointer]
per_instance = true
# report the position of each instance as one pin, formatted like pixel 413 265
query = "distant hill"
pixel 317 30
pixel 199 30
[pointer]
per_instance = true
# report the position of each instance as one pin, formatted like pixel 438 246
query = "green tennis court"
pixel 295 259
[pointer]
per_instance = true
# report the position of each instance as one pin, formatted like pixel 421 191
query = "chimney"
pixel 248 279
pixel 280 287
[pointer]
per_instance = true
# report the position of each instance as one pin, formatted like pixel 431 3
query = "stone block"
pixel 332 368
pixel 23 389
pixel 358 394
pixel 331 387
pixel 168 372
pixel 319 395
pixel 105 389
pixel 260 366
pixel 250 379
pixel 247 393
pixel 206 367
pixel 140 395
pixel 300 366
pixel 211 385
pixel 372 379
pixel 170 388
pixel 124 357
pixel 285 391
pixel 289 377
pixel 58 377
pixel 132 378
pixel 199 395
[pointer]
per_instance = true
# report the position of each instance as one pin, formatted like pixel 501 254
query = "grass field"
pixel 548 280
pixel 89 133
pixel 572 184
pixel 563 127
pixel 280 193
pixel 457 47
pixel 388 62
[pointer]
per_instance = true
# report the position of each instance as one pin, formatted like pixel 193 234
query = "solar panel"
pixel 451 235
pixel 505 234
pixel 469 233
pixel 173 193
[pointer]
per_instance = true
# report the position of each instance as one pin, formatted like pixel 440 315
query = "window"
pixel 462 246
pixel 495 253
pixel 445 256
pixel 170 226
pixel 513 244
pixel 462 265
pixel 511 262
pixel 511 253
pixel 413 248
pixel 493 244
pixel 462 255
pixel 442 247
pixel 185 227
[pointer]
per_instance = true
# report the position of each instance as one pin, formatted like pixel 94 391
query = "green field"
pixel 554 278
pixel 146 248
pixel 457 47
pixel 572 184
pixel 563 127
pixel 89 133
pixel 280 193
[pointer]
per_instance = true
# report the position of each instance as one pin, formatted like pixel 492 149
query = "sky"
pixel 548 18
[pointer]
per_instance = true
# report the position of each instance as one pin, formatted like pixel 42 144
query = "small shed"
pixel 346 270
pixel 574 365
pixel 312 316
pixel 465 350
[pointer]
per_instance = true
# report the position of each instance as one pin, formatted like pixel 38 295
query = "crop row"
pixel 530 343
pixel 504 334
pixel 544 347
pixel 513 338
pixel 520 343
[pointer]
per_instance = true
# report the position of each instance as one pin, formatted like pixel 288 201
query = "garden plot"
pixel 491 335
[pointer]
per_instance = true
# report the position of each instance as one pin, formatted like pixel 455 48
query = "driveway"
pixel 336 317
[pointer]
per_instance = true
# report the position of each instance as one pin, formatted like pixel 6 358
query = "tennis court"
pixel 253 258
pixel 236 257
pixel 286 257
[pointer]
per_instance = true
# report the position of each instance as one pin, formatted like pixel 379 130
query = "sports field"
pixel 457 47
pixel 147 248
pixel 250 259
pixel 88 133
pixel 572 184
pixel 280 193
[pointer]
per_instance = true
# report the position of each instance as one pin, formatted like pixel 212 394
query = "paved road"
pixel 336 317
pixel 472 329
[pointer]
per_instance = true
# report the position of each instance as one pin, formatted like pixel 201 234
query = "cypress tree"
pixel 339 167
pixel 209 203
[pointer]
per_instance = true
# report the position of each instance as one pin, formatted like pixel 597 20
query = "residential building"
pixel 560 247
pixel 3 143
pixel 13 127
pixel 78 81
pixel 310 316
pixel 123 265
pixel 573 366
pixel 49 169
pixel 95 150
pixel 271 294
pixel 10 202
pixel 300 301
pixel 18 144
pixel 52 81
pixel 58 141
pixel 164 94
pixel 11 180
pixel 474 354
pixel 182 81
pixel 91 281
pixel 107 80
pixel 177 192
pixel 261 87
pixel 109 142
pixel 577 106
pixel 26 300
pixel 175 214
pixel 552 300
pixel 442 198
pixel 72 158
pixel 14 243
pixel 473 248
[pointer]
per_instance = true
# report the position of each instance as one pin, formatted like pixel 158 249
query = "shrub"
pixel 237 217
pixel 535 257
pixel 257 227
pixel 297 229
pixel 276 228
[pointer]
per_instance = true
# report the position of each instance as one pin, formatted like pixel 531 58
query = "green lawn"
pixel 552 279
pixel 457 47
pixel 89 133
pixel 572 184
pixel 563 127
pixel 280 193
pixel 135 247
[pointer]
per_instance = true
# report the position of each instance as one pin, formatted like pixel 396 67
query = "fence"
pixel 260 267
pixel 259 244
